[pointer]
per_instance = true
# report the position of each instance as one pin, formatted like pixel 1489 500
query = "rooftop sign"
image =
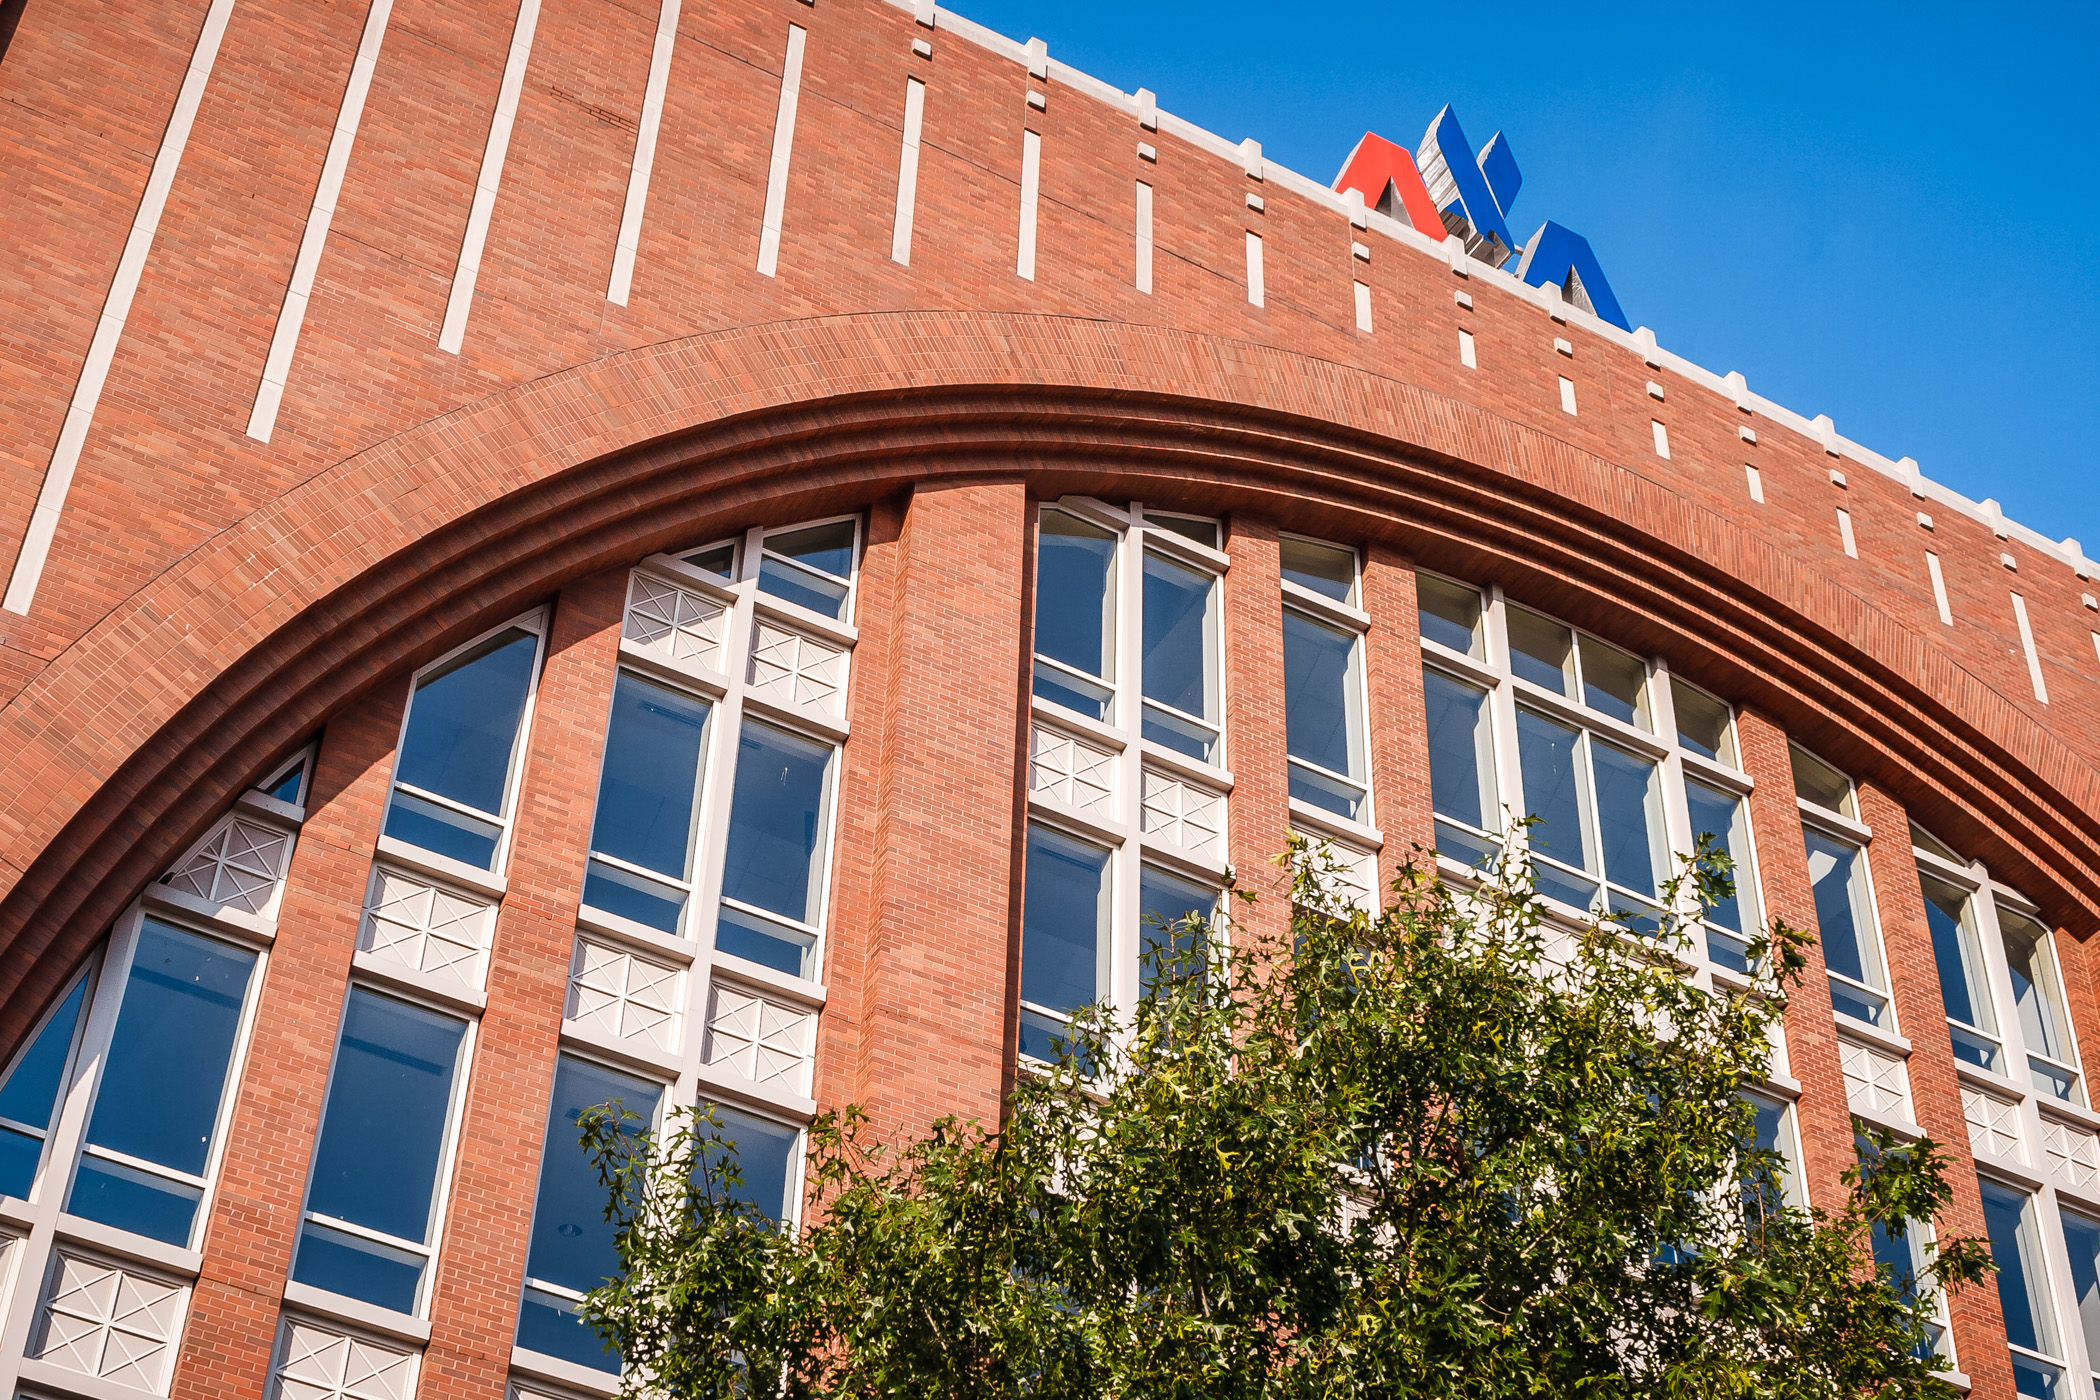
pixel 1444 190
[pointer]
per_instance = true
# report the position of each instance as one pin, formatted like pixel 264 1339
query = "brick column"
pixel 232 1323
pixel 944 948
pixel 1257 748
pixel 1823 1116
pixel 1398 723
pixel 495 1177
pixel 1914 984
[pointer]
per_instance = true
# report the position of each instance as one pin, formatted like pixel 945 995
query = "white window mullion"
pixel 1502 706
pixel 1126 865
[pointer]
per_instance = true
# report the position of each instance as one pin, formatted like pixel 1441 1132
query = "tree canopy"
pixel 1450 1148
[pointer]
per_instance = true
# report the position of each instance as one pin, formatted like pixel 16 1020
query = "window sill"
pixel 1324 608
pixel 739 1092
pixel 1958 875
pixel 1903 1128
pixel 1834 823
pixel 17 1214
pixel 1976 1077
pixel 685 575
pixel 1852 1028
pixel 802 619
pixel 632 1053
pixel 2016 1174
pixel 807 718
pixel 1158 755
pixel 811 995
pixel 2075 1115
pixel 1719 774
pixel 140 1249
pixel 249 928
pixel 706 679
pixel 1056 716
pixel 400 1327
pixel 273 806
pixel 1459 663
pixel 641 936
pixel 1188 551
pixel 451 993
pixel 46 1376
pixel 444 868
pixel 1338 828
pixel 1081 824
pixel 567 1373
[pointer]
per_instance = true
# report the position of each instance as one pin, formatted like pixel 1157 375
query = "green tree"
pixel 1452 1149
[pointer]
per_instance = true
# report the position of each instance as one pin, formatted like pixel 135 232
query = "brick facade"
pixel 212 602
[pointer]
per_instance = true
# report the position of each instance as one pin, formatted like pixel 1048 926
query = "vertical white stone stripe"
pixel 644 155
pixel 1662 438
pixel 783 146
pixel 116 307
pixel 1144 237
pixel 291 314
pixel 1939 587
pixel 908 170
pixel 1363 308
pixel 1757 492
pixel 1466 353
pixel 1567 394
pixel 1845 539
pixel 454 332
pixel 1257 293
pixel 1031 183
pixel 2034 660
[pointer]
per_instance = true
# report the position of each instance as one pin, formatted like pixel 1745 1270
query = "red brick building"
pixel 731 549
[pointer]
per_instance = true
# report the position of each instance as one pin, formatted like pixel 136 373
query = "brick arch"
pixel 133 738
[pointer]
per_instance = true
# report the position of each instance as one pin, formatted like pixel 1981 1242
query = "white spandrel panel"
pixel 1876 1083
pixel 431 932
pixel 106 1321
pixel 321 1363
pixel 239 864
pixel 1187 816
pixel 1994 1124
pixel 1071 771
pixel 619 995
pixel 764 1041
pixel 791 668
pixel 683 626
pixel 2072 1154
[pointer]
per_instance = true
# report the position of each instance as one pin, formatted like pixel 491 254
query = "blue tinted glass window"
pixel 1180 644
pixel 1322 719
pixel 383 1134
pixel 1552 787
pixel 437 828
pixel 1457 743
pixel 764 942
pixel 1716 813
pixel 166 1069
pixel 463 722
pixel 776 822
pixel 815 552
pixel 2082 1242
pixel 1840 921
pixel 1629 818
pixel 2022 1284
pixel 572 1242
pixel 30 1094
pixel 825 547
pixel 1166 905
pixel 1324 568
pixel 650 776
pixel 765 1158
pixel 144 1203
pixel 1064 920
pixel 1955 954
pixel 286 788
pixel 356 1267
pixel 31 1088
pixel 1074 594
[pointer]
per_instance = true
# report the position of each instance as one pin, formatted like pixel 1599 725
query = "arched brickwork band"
pixel 128 742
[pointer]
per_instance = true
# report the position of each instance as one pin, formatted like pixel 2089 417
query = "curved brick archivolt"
pixel 129 743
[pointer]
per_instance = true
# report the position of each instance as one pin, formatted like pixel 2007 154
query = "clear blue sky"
pixel 1890 214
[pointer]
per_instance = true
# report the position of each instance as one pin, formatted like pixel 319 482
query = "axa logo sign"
pixel 1444 189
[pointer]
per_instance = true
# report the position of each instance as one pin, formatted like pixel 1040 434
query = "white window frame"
pixel 88 973
pixel 530 1285
pixel 92 1050
pixel 1122 830
pixel 448 1154
pixel 752 554
pixel 535 622
pixel 1507 693
pixel 1344 616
